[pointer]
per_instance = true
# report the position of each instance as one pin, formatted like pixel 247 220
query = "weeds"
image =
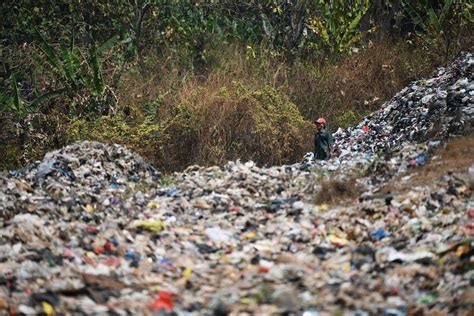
pixel 337 190
pixel 167 181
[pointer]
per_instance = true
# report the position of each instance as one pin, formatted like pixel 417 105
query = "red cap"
pixel 320 120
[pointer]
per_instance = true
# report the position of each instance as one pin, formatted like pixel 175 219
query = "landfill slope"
pixel 92 229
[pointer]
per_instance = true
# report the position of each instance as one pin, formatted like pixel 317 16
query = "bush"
pixel 11 156
pixel 347 118
pixel 234 121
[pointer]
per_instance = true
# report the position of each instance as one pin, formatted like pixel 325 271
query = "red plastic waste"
pixel 113 262
pixel 164 300
pixel 99 250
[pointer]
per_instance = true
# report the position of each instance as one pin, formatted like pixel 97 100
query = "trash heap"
pixel 92 229
pixel 75 177
pixel 416 120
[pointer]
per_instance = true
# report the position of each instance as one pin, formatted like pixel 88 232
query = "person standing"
pixel 323 140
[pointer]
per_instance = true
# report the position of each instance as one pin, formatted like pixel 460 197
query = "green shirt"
pixel 322 144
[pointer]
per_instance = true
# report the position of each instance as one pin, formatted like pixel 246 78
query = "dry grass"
pixel 336 191
pixel 360 82
pixel 246 107
pixel 231 112
pixel 228 119
pixel 250 107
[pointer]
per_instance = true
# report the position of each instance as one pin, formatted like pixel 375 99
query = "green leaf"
pixel 75 56
pixel 18 104
pixel 433 19
pixel 267 27
pixel 35 81
pixel 47 97
pixel 98 81
pixel 414 15
pixel 351 28
pixel 49 53
pixel 111 42
pixel 70 68
pixel 445 11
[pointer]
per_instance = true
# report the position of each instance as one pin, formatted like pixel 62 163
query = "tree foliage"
pixel 61 48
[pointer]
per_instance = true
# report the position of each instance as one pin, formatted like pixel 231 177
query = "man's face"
pixel 319 126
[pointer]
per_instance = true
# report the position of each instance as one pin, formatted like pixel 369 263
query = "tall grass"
pixel 246 103
pixel 256 106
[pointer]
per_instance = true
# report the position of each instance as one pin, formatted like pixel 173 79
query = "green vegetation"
pixel 205 82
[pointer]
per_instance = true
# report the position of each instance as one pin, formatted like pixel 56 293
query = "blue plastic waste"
pixel 44 169
pixel 420 160
pixel 14 173
pixel 402 311
pixel 166 262
pixel 66 173
pixel 379 234
pixel 172 192
pixel 133 257
pixel 114 241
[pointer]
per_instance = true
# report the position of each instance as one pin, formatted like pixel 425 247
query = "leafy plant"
pixel 78 72
pixel 337 23
pixel 446 18
pixel 167 181
pixel 12 102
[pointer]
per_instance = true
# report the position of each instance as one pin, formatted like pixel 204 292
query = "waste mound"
pixel 437 108
pixel 93 229
pixel 76 163
pixel 407 128
pixel 76 176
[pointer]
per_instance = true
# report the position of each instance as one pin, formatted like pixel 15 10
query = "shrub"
pixel 10 156
pixel 234 121
pixel 347 118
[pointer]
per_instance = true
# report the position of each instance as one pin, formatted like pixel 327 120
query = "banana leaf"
pixel 345 40
pixel 98 80
pixel 105 47
pixel 18 104
pixel 50 54
pixel 47 97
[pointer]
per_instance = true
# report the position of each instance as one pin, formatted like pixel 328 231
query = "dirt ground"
pixel 455 156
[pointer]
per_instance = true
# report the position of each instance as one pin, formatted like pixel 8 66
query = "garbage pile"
pixel 92 229
pixel 76 177
pixel 415 120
